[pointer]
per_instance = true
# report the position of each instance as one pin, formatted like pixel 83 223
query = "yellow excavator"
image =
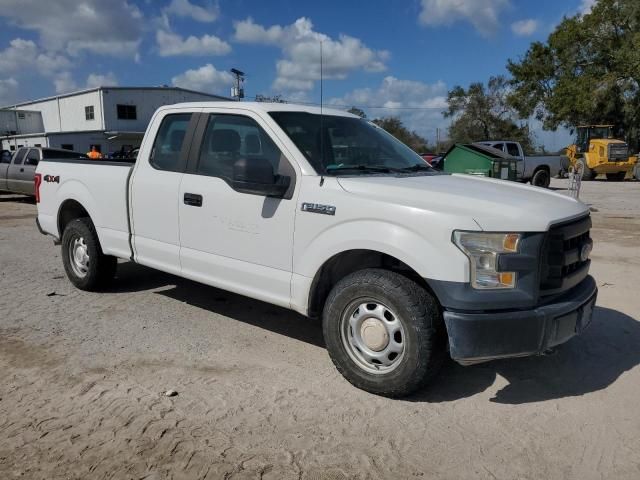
pixel 599 152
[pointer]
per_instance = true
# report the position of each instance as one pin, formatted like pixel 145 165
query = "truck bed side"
pixel 532 162
pixel 99 187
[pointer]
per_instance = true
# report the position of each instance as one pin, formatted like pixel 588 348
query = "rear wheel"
pixel 85 264
pixel 616 177
pixel 541 178
pixel 384 333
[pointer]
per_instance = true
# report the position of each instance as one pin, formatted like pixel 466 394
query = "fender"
pixel 445 262
pixel 74 189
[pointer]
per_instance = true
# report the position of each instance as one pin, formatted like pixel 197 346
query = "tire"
pixel 541 178
pixel 587 173
pixel 89 268
pixel 616 177
pixel 376 299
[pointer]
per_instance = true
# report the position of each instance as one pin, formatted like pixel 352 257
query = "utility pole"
pixel 237 91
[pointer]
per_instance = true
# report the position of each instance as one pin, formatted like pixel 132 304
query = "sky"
pixel 388 58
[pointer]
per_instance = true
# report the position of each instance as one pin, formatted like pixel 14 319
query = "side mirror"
pixel 256 177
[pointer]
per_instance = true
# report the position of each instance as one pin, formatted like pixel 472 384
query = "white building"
pixel 109 118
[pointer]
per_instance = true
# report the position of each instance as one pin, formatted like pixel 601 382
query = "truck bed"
pixel 90 183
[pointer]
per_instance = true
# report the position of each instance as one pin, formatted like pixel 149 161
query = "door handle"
pixel 22 169
pixel 193 199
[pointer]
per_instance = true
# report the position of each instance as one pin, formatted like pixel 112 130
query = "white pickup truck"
pixel 328 215
pixel 537 169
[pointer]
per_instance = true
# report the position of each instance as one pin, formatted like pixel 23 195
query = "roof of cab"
pixel 263 107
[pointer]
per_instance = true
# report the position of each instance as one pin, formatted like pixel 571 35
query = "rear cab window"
pixel 33 157
pixel 167 153
pixel 513 150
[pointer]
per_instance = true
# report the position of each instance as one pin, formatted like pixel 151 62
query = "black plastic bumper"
pixel 478 337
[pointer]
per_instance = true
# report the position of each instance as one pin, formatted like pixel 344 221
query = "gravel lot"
pixel 82 377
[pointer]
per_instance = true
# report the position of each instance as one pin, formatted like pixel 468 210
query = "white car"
pixel 328 215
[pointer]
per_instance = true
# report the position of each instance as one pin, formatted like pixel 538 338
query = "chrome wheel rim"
pixel 79 257
pixel 373 336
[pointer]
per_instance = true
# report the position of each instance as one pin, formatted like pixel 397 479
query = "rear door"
pixel 16 170
pixel 155 186
pixel 237 241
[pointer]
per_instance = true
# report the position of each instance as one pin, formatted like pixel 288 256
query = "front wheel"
pixel 85 264
pixel 541 179
pixel 384 333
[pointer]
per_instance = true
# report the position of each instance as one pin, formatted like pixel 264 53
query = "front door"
pixel 154 191
pixel 237 241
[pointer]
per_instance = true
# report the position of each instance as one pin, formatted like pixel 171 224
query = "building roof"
pixel 95 89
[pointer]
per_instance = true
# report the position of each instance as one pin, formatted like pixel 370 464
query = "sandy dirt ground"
pixel 82 376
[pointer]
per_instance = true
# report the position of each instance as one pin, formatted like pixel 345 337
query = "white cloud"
pixel 586 6
pixel 419 105
pixel 524 28
pixel 482 14
pixel 300 46
pixel 101 80
pixel 170 43
pixel 24 56
pixel 205 79
pixel 112 27
pixel 65 83
pixel 184 8
pixel 8 90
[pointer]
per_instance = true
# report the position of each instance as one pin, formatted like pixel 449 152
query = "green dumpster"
pixel 480 160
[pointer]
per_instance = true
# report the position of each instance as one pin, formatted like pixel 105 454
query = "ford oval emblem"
pixel 585 251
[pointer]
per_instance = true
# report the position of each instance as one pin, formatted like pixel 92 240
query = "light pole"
pixel 237 91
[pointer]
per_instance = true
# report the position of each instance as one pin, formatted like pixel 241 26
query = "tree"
pixel 357 111
pixel 587 72
pixel 483 113
pixel 395 127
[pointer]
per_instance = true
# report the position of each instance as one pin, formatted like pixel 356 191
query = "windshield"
pixel 601 132
pixel 347 146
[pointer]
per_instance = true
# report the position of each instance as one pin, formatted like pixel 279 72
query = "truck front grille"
pixel 618 152
pixel 563 265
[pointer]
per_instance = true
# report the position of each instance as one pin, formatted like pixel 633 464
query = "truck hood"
pixel 495 205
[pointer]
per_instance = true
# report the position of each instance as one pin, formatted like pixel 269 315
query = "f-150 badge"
pixel 318 208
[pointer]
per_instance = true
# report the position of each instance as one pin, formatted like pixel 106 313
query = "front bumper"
pixel 478 337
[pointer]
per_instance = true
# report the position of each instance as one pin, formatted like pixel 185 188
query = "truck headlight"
pixel 483 250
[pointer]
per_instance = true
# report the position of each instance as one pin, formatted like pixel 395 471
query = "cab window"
pixel 230 137
pixel 17 160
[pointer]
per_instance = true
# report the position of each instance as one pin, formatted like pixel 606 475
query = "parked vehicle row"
pixel 17 172
pixel 323 213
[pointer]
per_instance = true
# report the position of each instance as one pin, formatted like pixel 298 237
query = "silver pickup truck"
pixel 17 172
pixel 537 169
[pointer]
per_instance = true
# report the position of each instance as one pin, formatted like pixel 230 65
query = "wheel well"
pixel 345 263
pixel 69 211
pixel 541 167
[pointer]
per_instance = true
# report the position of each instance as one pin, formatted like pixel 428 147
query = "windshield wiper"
pixel 415 168
pixel 359 168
